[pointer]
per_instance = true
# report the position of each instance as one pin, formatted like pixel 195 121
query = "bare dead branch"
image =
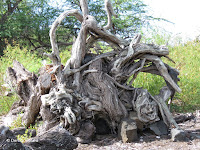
pixel 163 70
pixel 169 117
pixel 119 85
pixel 68 71
pixel 136 71
pixel 151 69
pixel 84 7
pixel 54 56
pixel 110 12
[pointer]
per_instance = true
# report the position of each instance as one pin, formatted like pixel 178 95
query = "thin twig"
pixel 119 85
pixel 136 71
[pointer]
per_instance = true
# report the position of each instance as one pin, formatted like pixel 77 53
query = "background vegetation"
pixel 24 29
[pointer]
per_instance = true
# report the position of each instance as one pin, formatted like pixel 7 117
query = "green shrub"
pixel 187 58
pixel 16 123
pixel 26 135
pixel 65 55
pixel 149 81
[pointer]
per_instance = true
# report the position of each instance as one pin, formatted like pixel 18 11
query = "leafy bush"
pixel 65 55
pixel 187 58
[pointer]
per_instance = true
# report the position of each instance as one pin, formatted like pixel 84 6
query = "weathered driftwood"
pixel 26 86
pixel 83 90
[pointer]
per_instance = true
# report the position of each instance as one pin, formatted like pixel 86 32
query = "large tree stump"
pixel 92 86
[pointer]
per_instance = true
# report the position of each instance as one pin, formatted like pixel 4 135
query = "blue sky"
pixel 185 14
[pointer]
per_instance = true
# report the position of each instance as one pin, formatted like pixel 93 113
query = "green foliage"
pixel 27 135
pixel 24 137
pixel 132 15
pixel 28 24
pixel 6 102
pixel 187 58
pixel 65 55
pixel 148 81
pixel 25 57
pixel 156 35
pixel 16 123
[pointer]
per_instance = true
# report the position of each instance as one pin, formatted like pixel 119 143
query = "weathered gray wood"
pixel 110 12
pixel 134 52
pixel 163 70
pixel 85 90
pixel 167 116
pixel 54 56
pixel 25 85
pixel 84 7
pixel 106 91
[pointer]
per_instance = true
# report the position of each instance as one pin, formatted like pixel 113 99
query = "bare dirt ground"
pixel 149 141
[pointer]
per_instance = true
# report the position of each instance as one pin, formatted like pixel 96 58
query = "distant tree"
pixel 28 21
pixel 131 15
pixel 7 7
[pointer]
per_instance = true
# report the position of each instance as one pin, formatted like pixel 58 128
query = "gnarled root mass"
pixel 95 86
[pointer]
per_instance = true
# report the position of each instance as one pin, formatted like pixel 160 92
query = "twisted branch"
pixel 110 12
pixel 54 56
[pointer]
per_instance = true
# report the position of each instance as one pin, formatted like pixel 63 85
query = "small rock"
pixel 178 135
pixel 55 138
pixel 159 128
pixel 8 141
pixel 158 137
pixel 127 131
pixel 184 117
pixel 19 131
pixel 86 132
